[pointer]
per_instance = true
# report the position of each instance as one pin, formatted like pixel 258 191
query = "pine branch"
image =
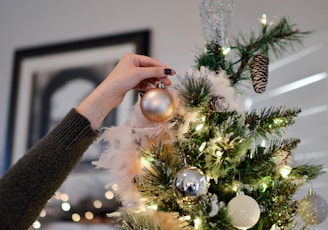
pixel 195 91
pixel 306 172
pixel 270 121
pixel 279 38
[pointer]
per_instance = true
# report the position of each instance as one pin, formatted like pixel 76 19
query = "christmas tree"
pixel 190 157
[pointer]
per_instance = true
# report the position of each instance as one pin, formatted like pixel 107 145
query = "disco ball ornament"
pixel 190 183
pixel 157 104
pixel 244 211
pixel 313 209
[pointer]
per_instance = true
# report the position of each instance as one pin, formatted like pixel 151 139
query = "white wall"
pixel 175 25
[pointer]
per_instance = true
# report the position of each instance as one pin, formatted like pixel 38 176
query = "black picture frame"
pixel 89 58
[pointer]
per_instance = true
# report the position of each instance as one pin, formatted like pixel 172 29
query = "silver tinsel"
pixel 216 18
pixel 313 209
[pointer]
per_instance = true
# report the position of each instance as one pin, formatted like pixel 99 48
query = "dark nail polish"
pixel 167 71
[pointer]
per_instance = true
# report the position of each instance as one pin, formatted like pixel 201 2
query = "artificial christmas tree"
pixel 210 164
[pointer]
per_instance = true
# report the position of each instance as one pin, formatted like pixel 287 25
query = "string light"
pixel 202 146
pixel 109 195
pixel 197 222
pixel 285 170
pixel 225 50
pixel 76 217
pixel 263 19
pixel 36 224
pixel 89 215
pixel 97 204
pixel 65 206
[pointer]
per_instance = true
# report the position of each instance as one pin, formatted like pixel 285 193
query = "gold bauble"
pixel 157 104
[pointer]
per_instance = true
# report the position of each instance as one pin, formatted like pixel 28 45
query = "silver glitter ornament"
pixel 313 209
pixel 190 183
pixel 157 104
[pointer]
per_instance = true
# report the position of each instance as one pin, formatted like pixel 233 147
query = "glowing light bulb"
pixel 97 204
pixel 65 206
pixel 202 146
pixel 76 217
pixel 226 50
pixel 89 215
pixel 263 19
pixel 285 170
pixel 109 195
pixel 199 127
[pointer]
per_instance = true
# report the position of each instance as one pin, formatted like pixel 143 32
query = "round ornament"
pixel 244 211
pixel 157 104
pixel 313 209
pixel 190 183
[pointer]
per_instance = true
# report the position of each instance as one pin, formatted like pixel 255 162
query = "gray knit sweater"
pixel 30 183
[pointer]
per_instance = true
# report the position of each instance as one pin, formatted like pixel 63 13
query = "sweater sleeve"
pixel 30 183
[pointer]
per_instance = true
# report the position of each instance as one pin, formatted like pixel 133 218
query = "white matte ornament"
pixel 244 211
pixel 157 104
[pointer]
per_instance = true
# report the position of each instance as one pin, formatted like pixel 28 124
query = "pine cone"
pixel 259 67
pixel 219 104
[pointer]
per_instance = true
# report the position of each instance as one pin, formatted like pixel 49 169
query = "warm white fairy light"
pixel 43 213
pixel 199 127
pixel 97 204
pixel 197 222
pixel 64 197
pixel 225 50
pixel 202 146
pixel 76 217
pixel 65 206
pixel 109 195
pixel 218 153
pixel 263 19
pixel 285 170
pixel 185 218
pixel 36 224
pixel 89 215
pixel 263 143
pixel 153 206
pixel 115 187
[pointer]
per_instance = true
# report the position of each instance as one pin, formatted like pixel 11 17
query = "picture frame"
pixel 40 72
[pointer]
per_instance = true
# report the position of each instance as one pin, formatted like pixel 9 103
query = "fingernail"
pixel 167 71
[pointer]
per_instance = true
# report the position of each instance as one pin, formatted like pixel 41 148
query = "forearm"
pixel 29 184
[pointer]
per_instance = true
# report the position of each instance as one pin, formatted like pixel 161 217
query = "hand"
pixel 132 72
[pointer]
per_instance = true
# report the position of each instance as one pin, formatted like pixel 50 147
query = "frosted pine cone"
pixel 219 104
pixel 259 67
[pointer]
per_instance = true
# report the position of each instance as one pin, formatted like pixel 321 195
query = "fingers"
pixel 145 61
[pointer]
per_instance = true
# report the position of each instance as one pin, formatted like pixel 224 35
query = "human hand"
pixel 132 72
pixel 137 72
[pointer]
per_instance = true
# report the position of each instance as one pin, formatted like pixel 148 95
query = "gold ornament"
pixel 313 209
pixel 157 104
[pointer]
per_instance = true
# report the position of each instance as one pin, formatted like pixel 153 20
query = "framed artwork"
pixel 49 80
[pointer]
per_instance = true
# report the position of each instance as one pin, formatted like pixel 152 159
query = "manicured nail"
pixel 167 71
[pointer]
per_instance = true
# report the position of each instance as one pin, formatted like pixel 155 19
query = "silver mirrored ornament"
pixel 190 183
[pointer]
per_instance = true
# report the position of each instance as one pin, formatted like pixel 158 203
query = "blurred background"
pixel 297 80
